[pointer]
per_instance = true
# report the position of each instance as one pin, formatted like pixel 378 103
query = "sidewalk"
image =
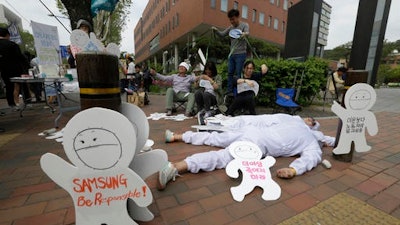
pixel 371 182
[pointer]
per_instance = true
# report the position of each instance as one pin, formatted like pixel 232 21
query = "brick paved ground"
pixel 28 196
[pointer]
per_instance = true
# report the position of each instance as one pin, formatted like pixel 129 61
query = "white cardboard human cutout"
pixel 81 41
pixel 255 171
pixel 146 163
pixel 356 118
pixel 100 144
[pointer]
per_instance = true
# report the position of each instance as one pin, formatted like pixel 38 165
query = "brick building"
pixel 168 26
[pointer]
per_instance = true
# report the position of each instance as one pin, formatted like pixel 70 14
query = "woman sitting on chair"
pixel 245 100
pixel 209 92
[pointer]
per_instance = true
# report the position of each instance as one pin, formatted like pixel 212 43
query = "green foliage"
pixel 262 48
pixel 282 73
pixel 388 48
pixel 107 26
pixel 28 43
pixel 339 52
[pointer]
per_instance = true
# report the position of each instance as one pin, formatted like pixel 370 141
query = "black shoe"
pixel 200 117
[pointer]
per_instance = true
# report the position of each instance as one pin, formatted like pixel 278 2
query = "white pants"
pixel 209 161
pixel 286 140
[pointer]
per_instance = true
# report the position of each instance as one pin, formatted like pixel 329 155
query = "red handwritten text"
pixel 99 183
pixel 100 199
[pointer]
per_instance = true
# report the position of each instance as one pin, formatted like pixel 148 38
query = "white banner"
pixel 47 44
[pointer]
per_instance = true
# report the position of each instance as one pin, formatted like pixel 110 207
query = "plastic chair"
pixel 179 105
pixel 284 100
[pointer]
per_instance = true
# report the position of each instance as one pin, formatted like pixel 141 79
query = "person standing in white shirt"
pixel 131 66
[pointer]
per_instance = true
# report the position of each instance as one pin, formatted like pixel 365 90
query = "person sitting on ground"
pixel 246 99
pixel 207 97
pixel 180 91
pixel 281 136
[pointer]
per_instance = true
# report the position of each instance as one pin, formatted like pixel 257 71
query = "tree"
pixel 262 48
pixel 107 26
pixel 28 43
pixel 339 52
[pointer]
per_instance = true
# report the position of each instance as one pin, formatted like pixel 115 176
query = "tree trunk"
pixel 78 9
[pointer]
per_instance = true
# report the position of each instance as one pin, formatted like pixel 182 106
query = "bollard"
pixel 98 80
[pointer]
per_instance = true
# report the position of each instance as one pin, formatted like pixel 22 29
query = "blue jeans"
pixel 235 66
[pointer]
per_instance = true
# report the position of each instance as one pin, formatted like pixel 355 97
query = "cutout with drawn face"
pixel 79 38
pixel 359 100
pixel 93 142
pixel 360 97
pixel 246 150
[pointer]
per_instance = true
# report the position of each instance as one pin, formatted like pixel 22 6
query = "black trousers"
pixel 244 100
pixel 204 100
pixel 9 90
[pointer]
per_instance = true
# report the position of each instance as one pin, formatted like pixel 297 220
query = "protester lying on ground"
pixel 282 136
pixel 180 91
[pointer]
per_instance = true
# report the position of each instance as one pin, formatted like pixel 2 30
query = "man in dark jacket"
pixel 11 63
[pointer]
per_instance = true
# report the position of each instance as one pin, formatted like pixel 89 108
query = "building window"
pixel 224 5
pixel 276 24
pixel 213 4
pixel 272 1
pixel 173 2
pixel 269 21
pixel 285 4
pixel 254 16
pixel 283 26
pixel 236 5
pixel 277 3
pixel 167 6
pixel 261 18
pixel 244 11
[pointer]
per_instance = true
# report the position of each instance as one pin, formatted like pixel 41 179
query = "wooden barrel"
pixel 98 80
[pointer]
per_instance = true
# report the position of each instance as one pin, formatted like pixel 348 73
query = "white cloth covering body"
pixel 276 135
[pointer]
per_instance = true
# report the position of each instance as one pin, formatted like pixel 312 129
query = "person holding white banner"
pixel 208 93
pixel 247 89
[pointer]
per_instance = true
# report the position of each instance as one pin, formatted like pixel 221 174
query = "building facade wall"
pixel 308 29
pixel 176 21
pixel 8 17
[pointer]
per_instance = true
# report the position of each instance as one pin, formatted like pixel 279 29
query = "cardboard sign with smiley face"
pixel 100 144
pixel 247 158
pixel 356 118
